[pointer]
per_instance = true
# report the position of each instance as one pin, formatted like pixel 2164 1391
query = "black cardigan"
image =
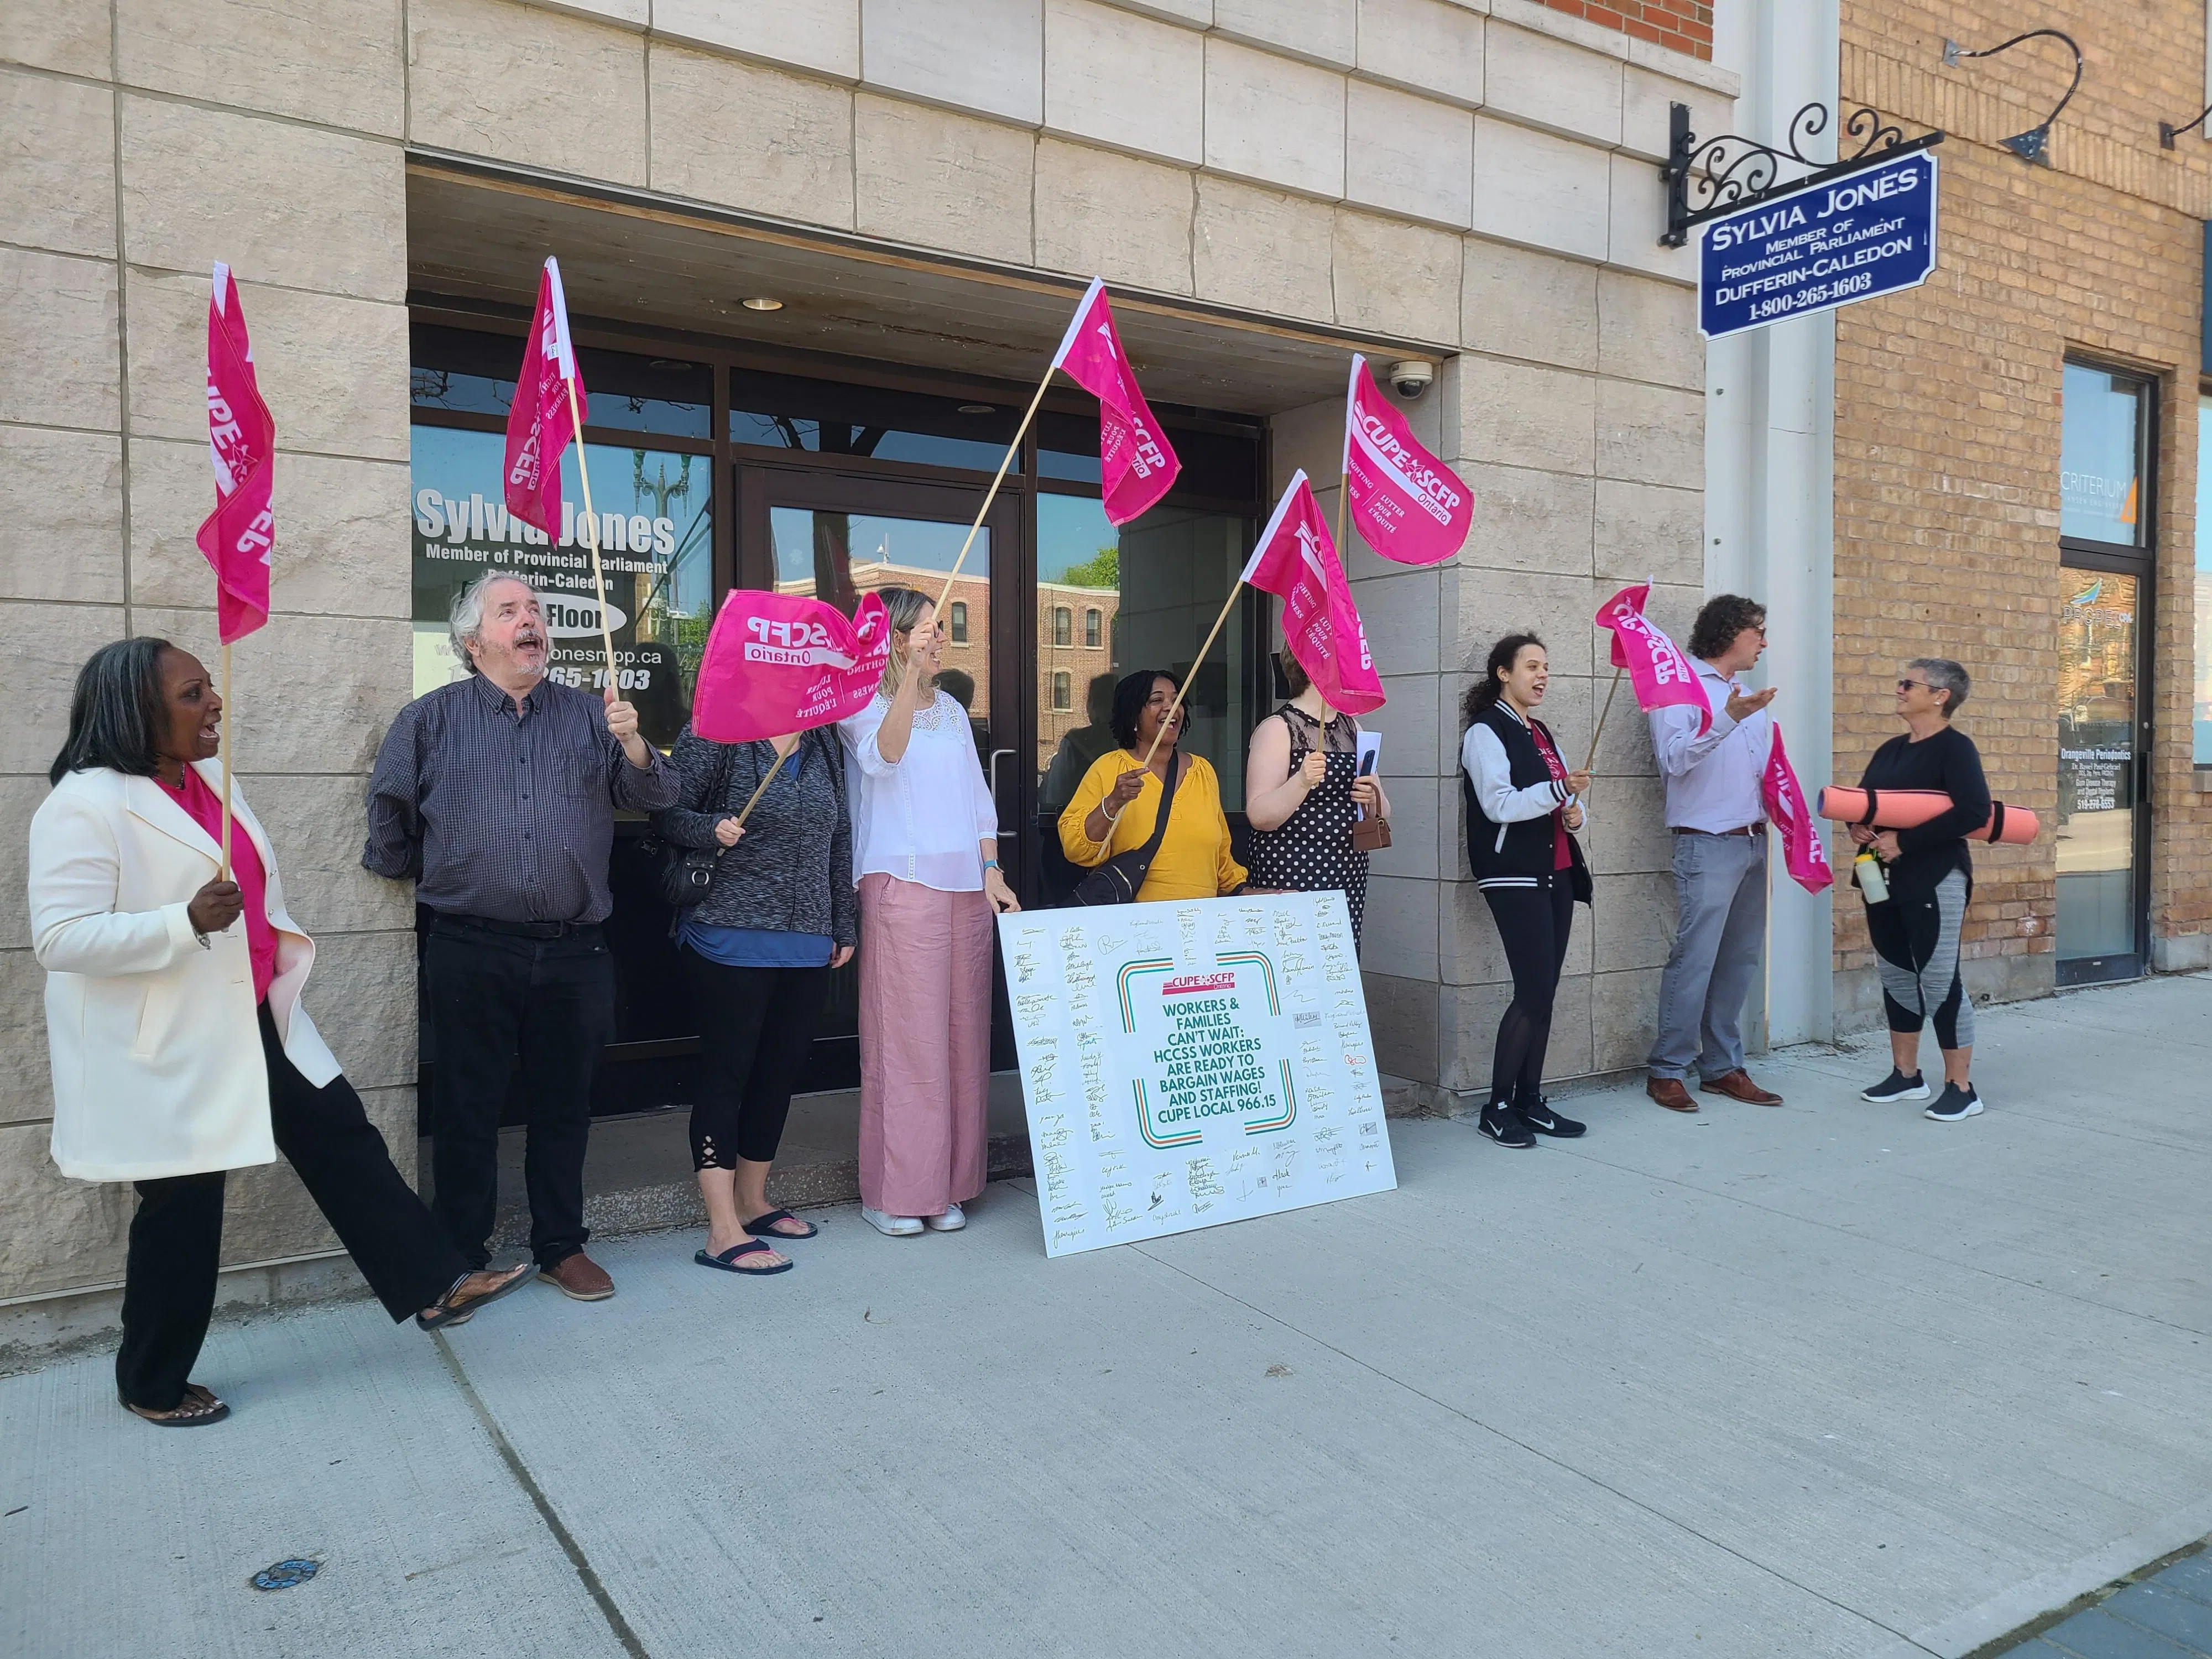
pixel 1525 849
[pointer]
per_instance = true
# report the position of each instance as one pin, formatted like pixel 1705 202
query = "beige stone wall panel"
pixel 361 979
pixel 1426 45
pixel 1633 921
pixel 317 823
pixel 518 83
pixel 1648 530
pixel 942 180
pixel 1398 936
pixel 1469 1029
pixel 1396 278
pixel 1519 302
pixel 1647 331
pixel 70 36
pixel 333 370
pixel 1273 119
pixel 987 56
pixel 1554 607
pixel 1262 250
pixel 1520 415
pixel 61 497
pixel 50 644
pixel 335 62
pixel 57 164
pixel 1541 190
pixel 342 536
pixel 1400 614
pixel 1624 1019
pixel 56 1233
pixel 26 1084
pixel 1408 154
pixel 19 797
pixel 1544 81
pixel 63 366
pixel 1402 1017
pixel 751 137
pixel 1102 214
pixel 1637 214
pixel 1528 520
pixel 1126 80
pixel 1650 433
pixel 820 35
pixel 1326 31
pixel 361 672
pixel 1647 101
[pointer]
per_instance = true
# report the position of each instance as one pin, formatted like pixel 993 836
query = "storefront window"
pixel 2100 491
pixel 654 515
pixel 468 374
pixel 784 412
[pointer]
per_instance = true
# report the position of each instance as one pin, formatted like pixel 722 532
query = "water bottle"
pixel 1867 869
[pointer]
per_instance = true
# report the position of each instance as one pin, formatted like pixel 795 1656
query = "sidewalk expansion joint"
pixel 585 1573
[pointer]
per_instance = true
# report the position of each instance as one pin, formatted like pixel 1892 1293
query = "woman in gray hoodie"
pixel 759 950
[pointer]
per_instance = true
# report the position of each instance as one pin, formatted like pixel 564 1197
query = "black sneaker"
pixel 1896 1086
pixel 1954 1103
pixel 1503 1125
pixel 1540 1116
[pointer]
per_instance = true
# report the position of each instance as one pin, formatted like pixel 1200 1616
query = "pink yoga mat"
pixel 1903 809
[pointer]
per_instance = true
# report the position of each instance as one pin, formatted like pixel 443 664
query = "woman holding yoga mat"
pixel 1521 814
pixel 925 857
pixel 1915 931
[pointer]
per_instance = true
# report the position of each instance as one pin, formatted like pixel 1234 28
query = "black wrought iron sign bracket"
pixel 1706 177
pixel 2034 144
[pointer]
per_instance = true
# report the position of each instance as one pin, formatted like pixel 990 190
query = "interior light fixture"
pixel 979 409
pixel 761 302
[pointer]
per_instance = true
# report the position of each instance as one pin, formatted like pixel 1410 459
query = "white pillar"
pixel 1769 484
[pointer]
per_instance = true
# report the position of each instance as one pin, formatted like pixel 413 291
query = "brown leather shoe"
pixel 1669 1092
pixel 580 1278
pixel 1738 1086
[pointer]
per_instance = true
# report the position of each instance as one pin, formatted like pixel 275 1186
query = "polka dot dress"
pixel 1311 851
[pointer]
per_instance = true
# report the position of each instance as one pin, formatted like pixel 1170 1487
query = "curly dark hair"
pixel 1725 616
pixel 1486 690
pixel 1130 696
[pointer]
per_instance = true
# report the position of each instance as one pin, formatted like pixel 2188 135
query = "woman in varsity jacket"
pixel 1522 808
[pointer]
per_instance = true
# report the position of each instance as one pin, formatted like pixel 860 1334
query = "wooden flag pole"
pixel 992 493
pixel 1599 728
pixel 782 756
pixel 592 529
pixel 1168 719
pixel 229 726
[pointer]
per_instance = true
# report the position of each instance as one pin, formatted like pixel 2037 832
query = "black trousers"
pixel 176 1237
pixel 498 1003
pixel 1533 924
pixel 756 1026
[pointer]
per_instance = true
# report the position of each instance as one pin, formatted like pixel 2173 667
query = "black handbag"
pixel 687 873
pixel 1117 881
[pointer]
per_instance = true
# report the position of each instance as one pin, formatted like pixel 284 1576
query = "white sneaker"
pixel 891 1226
pixel 951 1221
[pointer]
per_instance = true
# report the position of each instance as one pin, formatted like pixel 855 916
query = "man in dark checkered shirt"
pixel 496 796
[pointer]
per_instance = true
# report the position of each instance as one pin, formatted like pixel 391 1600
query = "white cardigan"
pixel 156 1046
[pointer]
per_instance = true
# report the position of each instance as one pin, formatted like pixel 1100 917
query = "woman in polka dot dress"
pixel 1299 793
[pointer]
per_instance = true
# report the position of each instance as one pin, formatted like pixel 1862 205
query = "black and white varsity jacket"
pixel 1510 796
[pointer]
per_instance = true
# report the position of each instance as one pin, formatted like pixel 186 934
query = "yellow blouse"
pixel 1194 860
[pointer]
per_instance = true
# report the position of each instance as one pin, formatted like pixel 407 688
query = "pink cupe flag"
pixel 238 536
pixel 1297 561
pixel 777 663
pixel 1405 503
pixel 1661 675
pixel 1136 464
pixel 1803 852
pixel 541 422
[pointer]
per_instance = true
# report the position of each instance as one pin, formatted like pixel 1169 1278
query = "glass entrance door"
pixel 2099 770
pixel 836 537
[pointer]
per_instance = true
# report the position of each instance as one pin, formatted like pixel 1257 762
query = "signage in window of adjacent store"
pixel 1870 232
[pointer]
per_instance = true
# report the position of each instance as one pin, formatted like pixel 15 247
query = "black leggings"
pixel 756 1026
pixel 1533 924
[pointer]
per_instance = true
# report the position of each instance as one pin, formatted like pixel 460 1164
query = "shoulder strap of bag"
pixel 1151 846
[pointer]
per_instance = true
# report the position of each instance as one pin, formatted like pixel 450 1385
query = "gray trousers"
pixel 1720 882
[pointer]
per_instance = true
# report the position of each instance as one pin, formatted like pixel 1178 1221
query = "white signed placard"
pixel 1189 1063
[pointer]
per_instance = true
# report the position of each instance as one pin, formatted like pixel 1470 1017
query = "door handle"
pixel 1004 833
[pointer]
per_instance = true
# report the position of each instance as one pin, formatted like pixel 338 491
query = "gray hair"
pixel 466 619
pixel 1943 675
pixel 905 606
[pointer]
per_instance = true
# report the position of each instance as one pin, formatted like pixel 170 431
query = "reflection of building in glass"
pixel 1072 656
pixel 967 663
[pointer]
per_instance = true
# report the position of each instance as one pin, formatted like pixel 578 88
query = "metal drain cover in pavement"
pixel 284 1575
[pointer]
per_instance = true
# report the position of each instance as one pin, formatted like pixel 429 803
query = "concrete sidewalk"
pixel 1829 1380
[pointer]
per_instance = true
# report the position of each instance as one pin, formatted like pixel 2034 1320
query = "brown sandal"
pixel 453 1307
pixel 198 1408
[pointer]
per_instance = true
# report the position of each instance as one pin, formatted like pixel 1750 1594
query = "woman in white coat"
pixel 178 1045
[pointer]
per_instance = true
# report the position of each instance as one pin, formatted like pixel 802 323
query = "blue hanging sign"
pixel 1870 232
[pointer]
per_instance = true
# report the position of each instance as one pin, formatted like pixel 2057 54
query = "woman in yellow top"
pixel 1195 859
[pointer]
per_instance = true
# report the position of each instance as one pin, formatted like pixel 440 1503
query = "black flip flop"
pixel 162 1420
pixel 727 1261
pixel 449 1312
pixel 762 1226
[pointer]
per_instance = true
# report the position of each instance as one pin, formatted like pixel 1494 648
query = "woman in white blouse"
pixel 926 858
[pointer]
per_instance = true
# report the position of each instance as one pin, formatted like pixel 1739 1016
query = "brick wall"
pixel 1947 423
pixel 1678 25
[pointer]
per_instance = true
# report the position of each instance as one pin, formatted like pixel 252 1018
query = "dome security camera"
pixel 1410 380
